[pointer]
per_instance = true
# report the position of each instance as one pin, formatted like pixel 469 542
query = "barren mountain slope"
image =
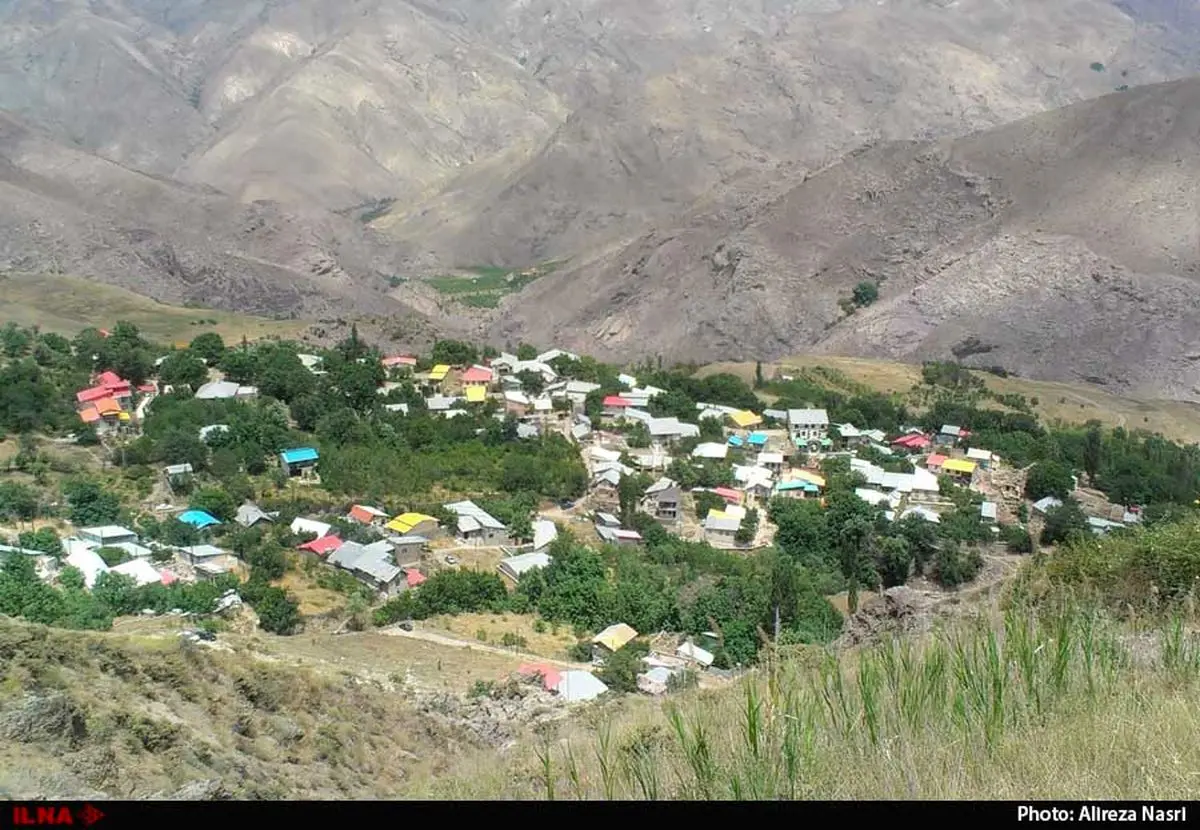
pixel 690 92
pixel 62 210
pixel 1063 247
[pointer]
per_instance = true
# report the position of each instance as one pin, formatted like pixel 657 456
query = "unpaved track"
pixel 454 642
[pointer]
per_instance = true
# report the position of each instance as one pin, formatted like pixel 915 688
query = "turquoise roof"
pixel 807 486
pixel 757 438
pixel 735 441
pixel 298 455
pixel 198 518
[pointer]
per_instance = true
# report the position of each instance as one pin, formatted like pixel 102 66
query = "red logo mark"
pixel 89 815
pixel 25 816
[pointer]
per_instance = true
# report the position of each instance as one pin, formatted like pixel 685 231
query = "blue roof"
pixel 298 455
pixel 735 441
pixel 798 485
pixel 757 438
pixel 198 518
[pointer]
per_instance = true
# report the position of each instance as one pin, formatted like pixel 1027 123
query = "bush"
pixel 865 293
pixel 1017 539
pixel 953 566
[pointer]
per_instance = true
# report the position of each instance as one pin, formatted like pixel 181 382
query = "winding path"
pixel 454 642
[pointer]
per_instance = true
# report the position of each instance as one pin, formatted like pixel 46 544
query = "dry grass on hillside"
pixel 68 304
pixel 1067 402
pixel 552 641
pixel 1063 708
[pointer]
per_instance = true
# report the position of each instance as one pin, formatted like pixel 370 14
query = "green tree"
pixel 90 505
pixel 209 347
pixel 214 501
pixel 893 560
pixel 622 667
pixel 706 501
pixel 453 353
pixel 1063 522
pixel 183 369
pixel 17 501
pixel 526 352
pixel 44 539
pixel 759 382
pixel 1093 448
pixel 865 293
pixel 954 566
pixel 1048 478
pixel 277 612
pixel 748 529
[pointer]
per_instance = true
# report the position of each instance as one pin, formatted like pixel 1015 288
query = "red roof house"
pixel 322 546
pixel 616 402
pixel 935 461
pixel 477 374
pixel 550 675
pixel 914 441
pixel 366 515
pixel 94 394
pixel 730 495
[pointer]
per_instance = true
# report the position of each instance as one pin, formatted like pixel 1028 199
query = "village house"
pixel 612 639
pixel 959 469
pixel 619 536
pixel 578 390
pixel 692 653
pixel 476 393
pixel 414 524
pixel 406 550
pixel 949 435
pixel 935 461
pixel 517 403
pixel 721 526
pixel 321 546
pixel 225 390
pixel 515 567
pixel 984 458
pixel 372 565
pixel 208 561
pixel 366 515
pixel 301 526
pixel 1045 505
pixel 299 462
pixel 438 374
pixel 663 499
pixel 772 461
pixel 477 377
pixel 671 430
pixel 797 488
pixel 199 519
pixel 107 535
pixel 476 526
pixel 399 361
pixel 615 406
pixel 987 512
pixel 913 442
pixel 711 450
pixel 808 427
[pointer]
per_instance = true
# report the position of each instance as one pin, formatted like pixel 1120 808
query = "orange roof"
pixel 477 374
pixel 89 415
pixel 362 514
pixel 108 406
pixel 935 460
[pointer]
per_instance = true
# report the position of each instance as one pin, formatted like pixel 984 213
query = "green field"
pixel 68 305
pixel 483 286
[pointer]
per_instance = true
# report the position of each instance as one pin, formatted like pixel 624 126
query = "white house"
pixel 808 425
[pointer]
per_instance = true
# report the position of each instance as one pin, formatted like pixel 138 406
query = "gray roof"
pixel 775 414
pixel 988 510
pixel 808 416
pixel 950 429
pixel 721 523
pixel 524 562
pixel 671 495
pixel 218 389
pixel 672 426
pixel 178 469
pixel 251 514
pixel 528 431
pixel 371 560
pixel 580 431
pixel 608 519
pixel 1048 503
pixel 663 483
pixel 472 510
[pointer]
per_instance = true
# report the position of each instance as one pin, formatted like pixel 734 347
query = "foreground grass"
pixel 1068 705
pixel 67 305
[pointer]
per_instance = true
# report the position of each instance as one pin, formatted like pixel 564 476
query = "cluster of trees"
pixel 673 585
pixel 850 545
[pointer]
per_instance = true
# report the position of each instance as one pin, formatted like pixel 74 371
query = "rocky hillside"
pixel 304 156
pixel 1062 247
pixel 154 716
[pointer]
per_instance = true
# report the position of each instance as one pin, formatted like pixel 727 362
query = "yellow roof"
pixel 405 522
pixel 439 372
pixel 124 416
pixel 615 636
pixel 745 419
pixel 805 475
pixel 714 513
pixel 959 465
pixel 476 394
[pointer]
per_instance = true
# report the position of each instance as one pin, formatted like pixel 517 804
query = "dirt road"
pixel 454 642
